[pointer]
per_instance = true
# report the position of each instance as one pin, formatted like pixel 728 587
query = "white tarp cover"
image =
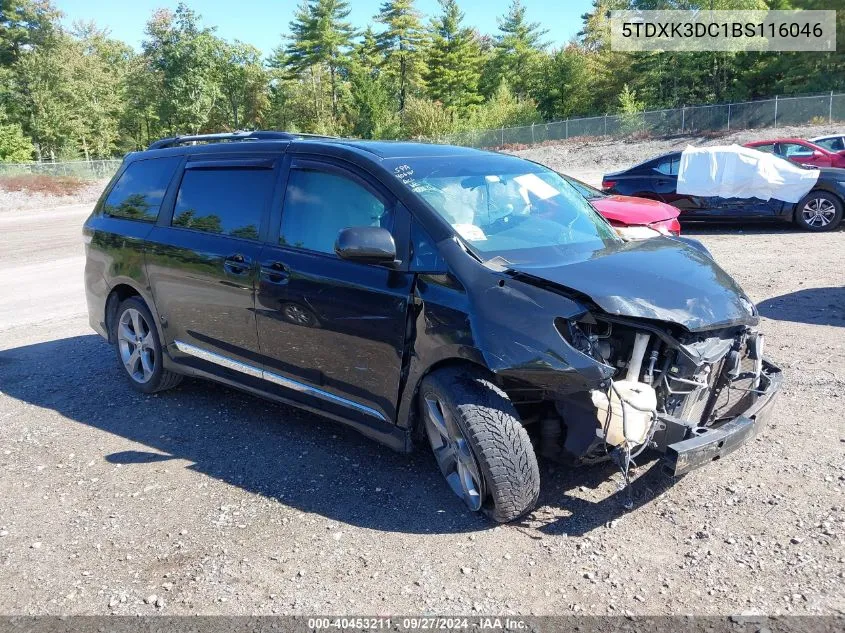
pixel 732 171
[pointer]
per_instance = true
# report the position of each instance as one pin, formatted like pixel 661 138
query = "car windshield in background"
pixel 507 207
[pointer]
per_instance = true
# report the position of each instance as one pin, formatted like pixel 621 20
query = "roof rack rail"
pixel 257 135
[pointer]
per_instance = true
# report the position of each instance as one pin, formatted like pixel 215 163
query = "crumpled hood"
pixel 660 279
pixel 634 211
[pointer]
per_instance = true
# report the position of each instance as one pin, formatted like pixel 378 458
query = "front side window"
pixel 227 201
pixel 138 193
pixel 502 206
pixel 794 149
pixel 320 204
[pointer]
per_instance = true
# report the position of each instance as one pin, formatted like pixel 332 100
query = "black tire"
pixel 159 379
pixel 499 443
pixel 819 197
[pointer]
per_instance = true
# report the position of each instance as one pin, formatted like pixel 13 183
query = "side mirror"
pixel 818 154
pixel 366 244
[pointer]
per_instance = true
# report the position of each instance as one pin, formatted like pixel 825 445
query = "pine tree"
pixel 401 42
pixel 321 36
pixel 517 52
pixel 454 60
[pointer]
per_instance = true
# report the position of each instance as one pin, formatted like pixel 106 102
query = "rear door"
pixel 202 257
pixel 333 330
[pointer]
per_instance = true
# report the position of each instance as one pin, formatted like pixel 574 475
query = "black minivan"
pixel 414 291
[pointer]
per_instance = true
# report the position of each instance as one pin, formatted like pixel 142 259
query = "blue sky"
pixel 262 22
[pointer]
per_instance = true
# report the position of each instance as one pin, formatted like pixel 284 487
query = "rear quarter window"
pixel 138 193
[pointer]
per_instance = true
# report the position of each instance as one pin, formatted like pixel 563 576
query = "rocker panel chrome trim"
pixel 256 372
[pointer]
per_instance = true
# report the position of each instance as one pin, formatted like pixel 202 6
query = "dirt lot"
pixel 590 159
pixel 206 500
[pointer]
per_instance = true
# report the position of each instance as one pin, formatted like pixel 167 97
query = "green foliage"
pixel 402 42
pixel 15 146
pixel 630 110
pixel 425 119
pixel 517 55
pixel 74 92
pixel 454 57
pixel 504 109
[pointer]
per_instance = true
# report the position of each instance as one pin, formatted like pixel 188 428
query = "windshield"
pixel 584 189
pixel 503 206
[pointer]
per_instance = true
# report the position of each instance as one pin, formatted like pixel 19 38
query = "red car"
pixel 800 151
pixel 627 211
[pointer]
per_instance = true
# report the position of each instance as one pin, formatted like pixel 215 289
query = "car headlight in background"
pixel 667 227
pixel 631 233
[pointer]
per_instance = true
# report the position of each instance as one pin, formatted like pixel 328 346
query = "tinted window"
pixel 138 192
pixel 226 201
pixel 318 205
pixel 669 166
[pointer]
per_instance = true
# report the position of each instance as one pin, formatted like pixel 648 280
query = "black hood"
pixel 659 279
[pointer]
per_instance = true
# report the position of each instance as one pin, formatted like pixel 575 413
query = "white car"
pixel 834 143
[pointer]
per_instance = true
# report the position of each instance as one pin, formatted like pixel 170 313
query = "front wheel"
pixel 480 445
pixel 819 211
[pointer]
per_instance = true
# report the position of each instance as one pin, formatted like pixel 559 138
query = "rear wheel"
pixel 819 211
pixel 139 350
pixel 480 445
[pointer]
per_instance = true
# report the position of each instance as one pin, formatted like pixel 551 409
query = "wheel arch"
pixel 117 295
pixel 831 191
pixel 408 415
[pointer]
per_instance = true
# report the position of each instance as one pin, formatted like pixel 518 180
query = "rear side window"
pixel 225 201
pixel 769 148
pixel 138 192
pixel 835 144
pixel 318 205
pixel 669 166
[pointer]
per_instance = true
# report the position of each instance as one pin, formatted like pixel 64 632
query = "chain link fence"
pixel 780 111
pixel 82 169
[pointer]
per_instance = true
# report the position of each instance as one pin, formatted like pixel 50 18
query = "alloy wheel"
pixel 818 212
pixel 137 349
pixel 297 315
pixel 453 454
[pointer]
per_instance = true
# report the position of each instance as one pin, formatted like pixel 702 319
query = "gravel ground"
pixel 590 159
pixel 13 201
pixel 207 500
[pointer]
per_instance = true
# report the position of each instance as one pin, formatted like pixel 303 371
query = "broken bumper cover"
pixel 713 443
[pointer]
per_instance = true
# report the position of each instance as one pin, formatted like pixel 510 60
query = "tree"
pixel 15 146
pixel 454 68
pixel 243 84
pixel 517 55
pixel 183 56
pixel 25 24
pixel 321 36
pixel 402 42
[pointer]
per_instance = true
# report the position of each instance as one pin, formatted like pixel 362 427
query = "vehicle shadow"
pixel 816 306
pixel 280 452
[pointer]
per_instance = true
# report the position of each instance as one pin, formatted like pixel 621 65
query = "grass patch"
pixel 39 183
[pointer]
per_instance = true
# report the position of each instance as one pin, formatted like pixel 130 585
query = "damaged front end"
pixel 619 385
pixel 693 396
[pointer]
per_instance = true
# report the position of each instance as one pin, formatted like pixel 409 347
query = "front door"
pixel 330 329
pixel 202 261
